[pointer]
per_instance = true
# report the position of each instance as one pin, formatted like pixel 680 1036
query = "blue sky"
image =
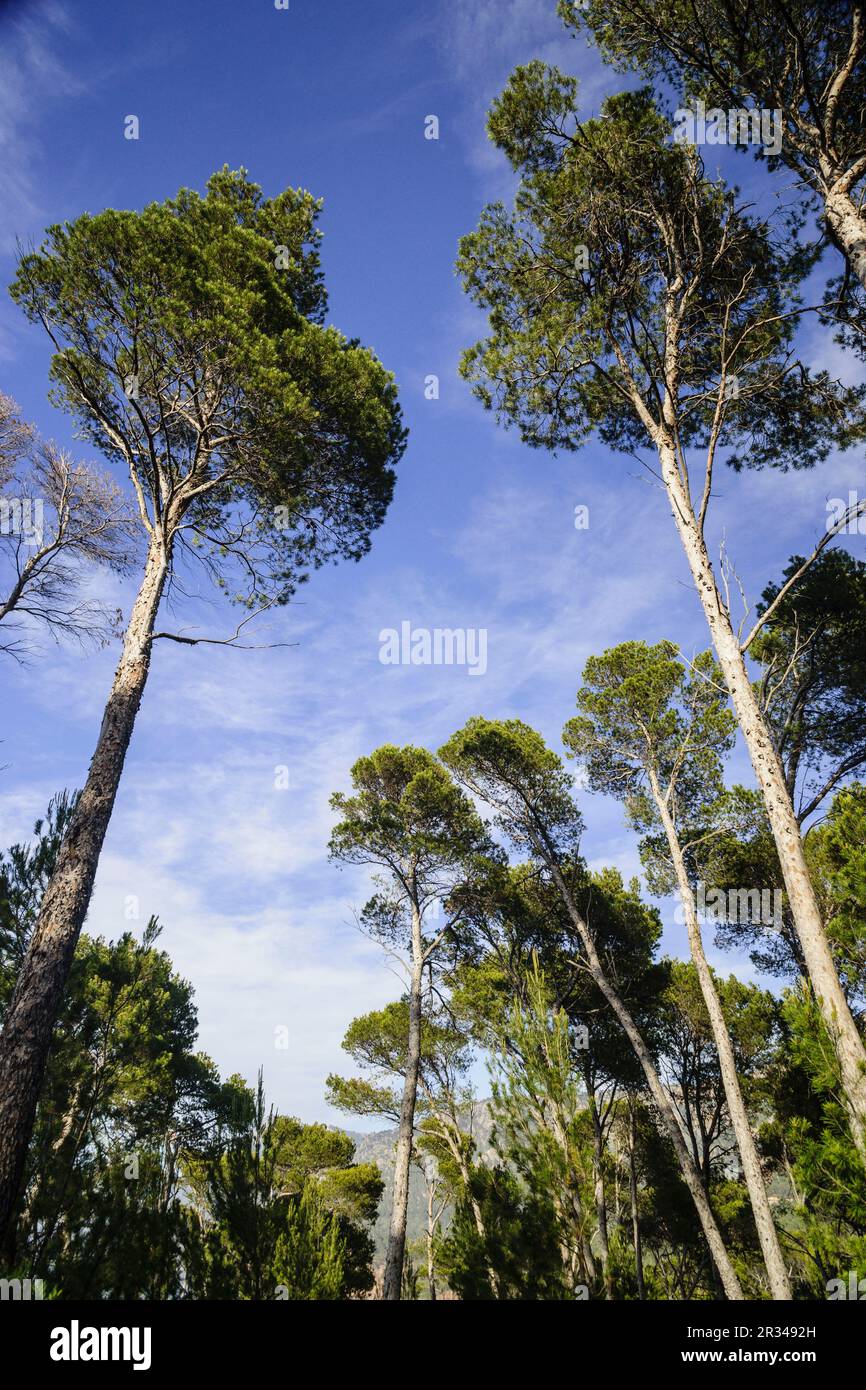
pixel 333 96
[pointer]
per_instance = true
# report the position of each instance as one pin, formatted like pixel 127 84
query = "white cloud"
pixel 32 77
pixel 484 40
pixel 280 966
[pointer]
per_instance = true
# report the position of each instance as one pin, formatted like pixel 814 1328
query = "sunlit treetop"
pixel 190 344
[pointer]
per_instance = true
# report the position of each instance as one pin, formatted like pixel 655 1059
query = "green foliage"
pixel 378 1042
pixel 686 1041
pixel 813 654
pixel 771 53
pixel 272 1219
pixel 353 1191
pixel 147 1176
pixel 407 816
pixel 508 765
pixel 242 400
pixel 538 1115
pixel 517 913
pixel 306 1150
pixel 124 1095
pixel 519 1242
pixel 410 1284
pixel 837 860
pixel 24 874
pixel 356 1096
pixel 310 1253
pixel 746 854
pixel 741 850
pixel 808 1134
pixel 791 57
pixel 619 258
pixel 805 1087
pixel 647 721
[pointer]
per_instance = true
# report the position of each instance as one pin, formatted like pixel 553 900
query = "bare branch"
pixel 849 515
pixel 225 641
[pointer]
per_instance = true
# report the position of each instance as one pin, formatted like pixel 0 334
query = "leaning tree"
pixel 190 346
pixel 654 734
pixel 412 825
pixel 633 297
pixel 508 766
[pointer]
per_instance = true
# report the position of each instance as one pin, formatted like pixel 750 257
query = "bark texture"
pixel 33 1009
pixel 848 1044
pixel 661 1099
pixel 777 1273
pixel 600 1196
pixel 393 1281
pixel 635 1213
pixel 847 227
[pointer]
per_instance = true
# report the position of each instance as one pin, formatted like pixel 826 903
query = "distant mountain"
pixel 378 1148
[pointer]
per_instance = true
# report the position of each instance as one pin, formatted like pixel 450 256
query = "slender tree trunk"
pixel 478 1218
pixel 72 1112
pixel 776 1272
pixel 586 1255
pixel 431 1233
pixel 600 1197
pixel 393 1281
pixel 457 1153
pixel 848 1044
pixel 667 1116
pixel 635 1214
pixel 575 1251
pixel 575 1247
pixel 33 1009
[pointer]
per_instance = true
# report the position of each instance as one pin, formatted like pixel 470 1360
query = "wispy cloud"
pixel 481 535
pixel 484 40
pixel 33 78
pixel 278 971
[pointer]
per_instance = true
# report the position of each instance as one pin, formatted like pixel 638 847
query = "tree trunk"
pixel 635 1215
pixel 574 1246
pixel 393 1281
pixel 431 1234
pixel 824 978
pixel 456 1150
pixel 847 228
pixel 35 1003
pixel 600 1197
pixel 670 1123
pixel 775 1264
pixel 478 1218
